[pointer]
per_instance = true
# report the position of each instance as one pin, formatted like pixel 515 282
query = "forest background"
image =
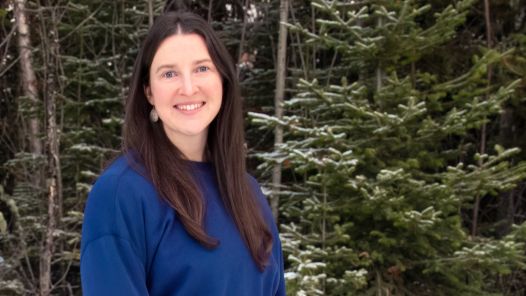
pixel 388 135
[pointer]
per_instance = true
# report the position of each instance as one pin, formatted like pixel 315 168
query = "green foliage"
pixel 384 161
pixel 10 284
pixel 98 42
pixel 381 162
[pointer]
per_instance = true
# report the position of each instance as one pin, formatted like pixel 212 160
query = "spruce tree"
pixel 383 163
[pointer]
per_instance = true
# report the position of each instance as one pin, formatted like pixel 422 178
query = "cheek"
pixel 159 92
pixel 217 89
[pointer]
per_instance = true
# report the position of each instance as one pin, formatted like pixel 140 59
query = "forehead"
pixel 181 48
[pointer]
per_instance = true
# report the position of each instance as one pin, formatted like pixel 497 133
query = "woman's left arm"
pixel 281 289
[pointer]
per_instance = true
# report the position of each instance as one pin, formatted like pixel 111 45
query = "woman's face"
pixel 185 88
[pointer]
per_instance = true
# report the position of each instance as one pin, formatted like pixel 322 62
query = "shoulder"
pixel 118 182
pixel 262 199
pixel 256 187
pixel 120 171
pixel 118 197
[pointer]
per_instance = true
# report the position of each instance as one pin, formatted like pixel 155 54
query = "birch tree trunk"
pixel 281 68
pixel 29 82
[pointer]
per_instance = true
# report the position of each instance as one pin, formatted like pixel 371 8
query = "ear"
pixel 148 93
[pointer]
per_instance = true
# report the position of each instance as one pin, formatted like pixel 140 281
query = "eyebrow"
pixel 171 66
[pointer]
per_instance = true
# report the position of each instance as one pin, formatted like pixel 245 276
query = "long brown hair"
pixel 149 146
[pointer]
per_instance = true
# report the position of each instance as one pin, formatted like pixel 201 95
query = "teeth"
pixel 189 107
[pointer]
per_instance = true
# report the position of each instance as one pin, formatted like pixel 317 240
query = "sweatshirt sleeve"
pixel 112 251
pixel 277 249
pixel 110 267
pixel 281 289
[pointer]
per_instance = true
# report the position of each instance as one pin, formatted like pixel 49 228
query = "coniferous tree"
pixel 385 161
pixel 85 76
pixel 98 41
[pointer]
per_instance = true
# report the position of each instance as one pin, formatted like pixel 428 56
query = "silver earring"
pixel 154 117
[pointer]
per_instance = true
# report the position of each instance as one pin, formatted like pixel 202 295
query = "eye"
pixel 169 74
pixel 202 68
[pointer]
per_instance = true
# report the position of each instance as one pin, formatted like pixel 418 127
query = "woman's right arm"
pixel 109 266
pixel 112 260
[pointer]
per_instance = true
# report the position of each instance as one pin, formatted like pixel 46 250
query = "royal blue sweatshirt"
pixel 134 244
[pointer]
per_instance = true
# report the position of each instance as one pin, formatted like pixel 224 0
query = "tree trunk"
pixel 379 71
pixel 150 13
pixel 506 205
pixel 281 67
pixel 50 48
pixel 243 32
pixel 482 148
pixel 209 17
pixel 29 82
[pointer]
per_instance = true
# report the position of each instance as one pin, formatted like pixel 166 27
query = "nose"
pixel 188 86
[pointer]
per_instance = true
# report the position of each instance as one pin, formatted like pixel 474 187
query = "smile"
pixel 190 107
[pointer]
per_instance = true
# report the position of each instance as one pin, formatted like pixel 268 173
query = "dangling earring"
pixel 154 117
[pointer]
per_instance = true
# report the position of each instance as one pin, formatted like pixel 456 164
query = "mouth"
pixel 189 107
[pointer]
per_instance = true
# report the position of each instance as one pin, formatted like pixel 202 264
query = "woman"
pixel 177 214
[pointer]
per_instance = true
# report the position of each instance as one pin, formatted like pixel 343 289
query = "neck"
pixel 193 148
